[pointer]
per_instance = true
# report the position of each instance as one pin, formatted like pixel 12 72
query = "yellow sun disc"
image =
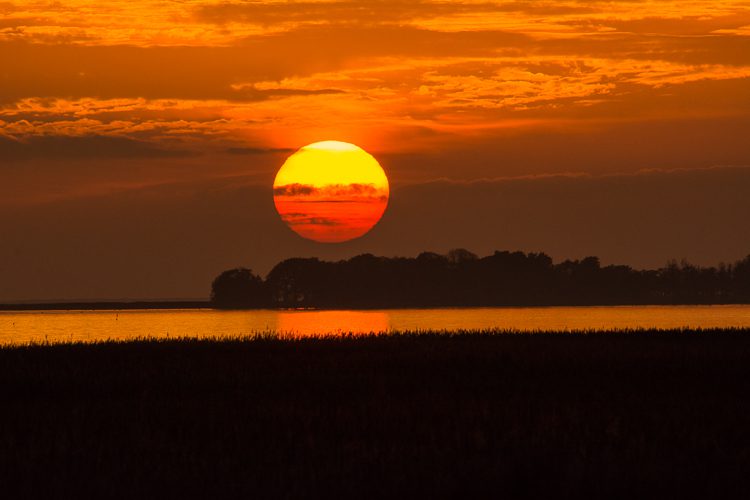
pixel 331 191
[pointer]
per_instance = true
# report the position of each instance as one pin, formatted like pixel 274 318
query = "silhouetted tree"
pixel 461 255
pixel 741 277
pixel 238 289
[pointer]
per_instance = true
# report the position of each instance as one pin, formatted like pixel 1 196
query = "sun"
pixel 331 192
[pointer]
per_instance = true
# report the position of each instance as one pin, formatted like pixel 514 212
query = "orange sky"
pixel 106 102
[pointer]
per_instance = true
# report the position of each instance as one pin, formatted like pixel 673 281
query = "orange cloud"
pixel 396 76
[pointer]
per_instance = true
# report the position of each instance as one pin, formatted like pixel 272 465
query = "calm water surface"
pixel 55 326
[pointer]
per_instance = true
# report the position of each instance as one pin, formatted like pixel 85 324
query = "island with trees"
pixel 462 279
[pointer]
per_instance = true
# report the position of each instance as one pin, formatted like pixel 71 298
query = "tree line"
pixel 461 278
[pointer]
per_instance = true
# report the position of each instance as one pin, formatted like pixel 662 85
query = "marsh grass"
pixel 458 414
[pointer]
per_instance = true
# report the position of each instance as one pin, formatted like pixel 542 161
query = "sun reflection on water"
pixel 309 323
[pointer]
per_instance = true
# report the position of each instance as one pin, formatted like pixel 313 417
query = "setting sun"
pixel 331 191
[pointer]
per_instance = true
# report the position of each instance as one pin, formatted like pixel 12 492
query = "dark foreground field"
pixel 545 415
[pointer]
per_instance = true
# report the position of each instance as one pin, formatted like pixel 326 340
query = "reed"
pixel 442 414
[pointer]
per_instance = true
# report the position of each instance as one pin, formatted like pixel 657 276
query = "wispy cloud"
pixel 331 192
pixel 85 147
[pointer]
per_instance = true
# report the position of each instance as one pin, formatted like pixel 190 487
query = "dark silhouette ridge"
pixel 461 278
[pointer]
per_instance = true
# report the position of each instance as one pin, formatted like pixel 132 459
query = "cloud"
pixel 71 71
pixel 258 151
pixel 297 220
pixel 222 23
pixel 16 22
pixel 206 72
pixel 682 25
pixel 389 79
pixel 7 8
pixel 338 192
pixel 274 73
pixel 86 147
pixel 295 190
pixel 342 12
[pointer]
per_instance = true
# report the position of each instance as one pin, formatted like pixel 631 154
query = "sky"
pixel 139 139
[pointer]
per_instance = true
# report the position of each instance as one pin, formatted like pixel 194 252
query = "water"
pixel 85 326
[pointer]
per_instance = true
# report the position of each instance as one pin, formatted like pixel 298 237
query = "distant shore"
pixel 106 306
pixel 205 304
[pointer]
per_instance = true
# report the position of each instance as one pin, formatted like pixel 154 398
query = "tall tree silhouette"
pixel 238 289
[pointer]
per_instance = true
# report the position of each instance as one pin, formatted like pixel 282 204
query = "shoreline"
pixel 198 304
pixel 387 337
pixel 106 306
